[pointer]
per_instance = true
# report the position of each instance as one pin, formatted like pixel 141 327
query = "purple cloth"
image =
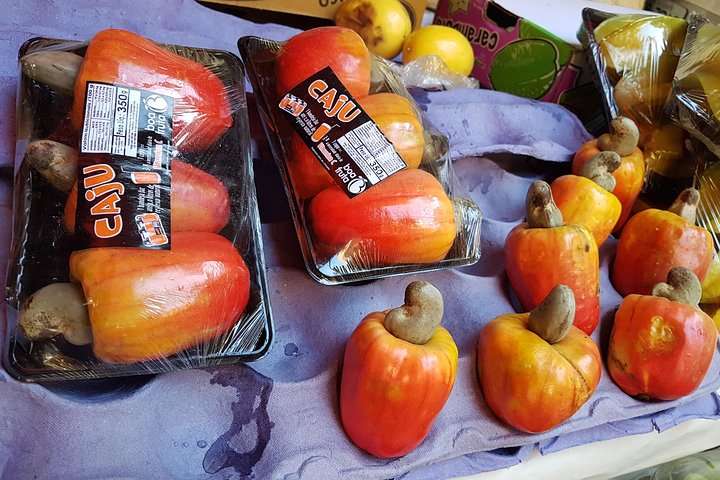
pixel 278 417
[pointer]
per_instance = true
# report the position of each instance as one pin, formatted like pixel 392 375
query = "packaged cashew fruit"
pixel 634 57
pixel 136 242
pixel 368 178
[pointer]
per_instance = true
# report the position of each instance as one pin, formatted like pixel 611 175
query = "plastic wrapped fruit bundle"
pixel 136 246
pixel 638 55
pixel 368 178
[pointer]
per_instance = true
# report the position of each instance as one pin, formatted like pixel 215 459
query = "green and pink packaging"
pixel 512 54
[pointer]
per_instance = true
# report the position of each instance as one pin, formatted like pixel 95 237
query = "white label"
pixel 111 120
pixel 371 151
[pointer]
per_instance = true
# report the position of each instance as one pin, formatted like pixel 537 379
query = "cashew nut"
pixel 54 161
pixel 552 319
pixel 417 320
pixel 55 68
pixel 686 204
pixel 682 286
pixel 622 138
pixel 56 309
pixel 540 209
pixel 599 169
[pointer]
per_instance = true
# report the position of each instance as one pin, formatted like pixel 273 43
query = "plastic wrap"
pixel 411 217
pixel 429 72
pixel 136 241
pixel 634 57
pixel 695 106
pixel 696 86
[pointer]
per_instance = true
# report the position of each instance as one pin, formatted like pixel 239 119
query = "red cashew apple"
pixel 661 345
pixel 545 251
pixel 406 218
pixel 537 369
pixel 587 199
pixel 149 304
pixel 654 241
pixel 396 118
pixel 310 51
pixel 630 175
pixel 398 372
pixel 201 111
pixel 199 201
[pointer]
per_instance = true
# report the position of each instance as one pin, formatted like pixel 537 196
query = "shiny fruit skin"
pixel 629 177
pixel 446 42
pixel 406 218
pixel 307 175
pixel 310 51
pixel 382 24
pixel 398 121
pixel 392 390
pixel 529 383
pixel 201 112
pixel 149 304
pixel 654 241
pixel 586 203
pixel 659 348
pixel 537 259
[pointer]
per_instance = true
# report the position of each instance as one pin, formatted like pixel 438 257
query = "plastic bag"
pixel 431 73
pixel 383 201
pixel 696 86
pixel 635 57
pixel 114 136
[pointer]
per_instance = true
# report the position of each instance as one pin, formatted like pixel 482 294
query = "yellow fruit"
pixel 383 24
pixel 446 42
pixel 712 309
pixel 639 41
pixel 615 23
pixel 711 284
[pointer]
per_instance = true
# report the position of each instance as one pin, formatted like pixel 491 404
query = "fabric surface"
pixel 278 417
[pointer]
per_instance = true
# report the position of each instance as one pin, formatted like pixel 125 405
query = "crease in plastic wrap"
pixel 136 242
pixel 406 214
pixel 430 72
pixel 634 58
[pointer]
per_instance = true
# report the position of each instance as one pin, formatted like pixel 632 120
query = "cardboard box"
pixel 512 54
pixel 315 8
pixel 530 49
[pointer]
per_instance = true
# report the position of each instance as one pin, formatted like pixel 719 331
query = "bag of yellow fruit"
pixel 635 56
pixel 695 105
pixel 696 87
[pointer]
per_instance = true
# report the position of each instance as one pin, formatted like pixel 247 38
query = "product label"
pixel 342 136
pixel 512 54
pixel 124 168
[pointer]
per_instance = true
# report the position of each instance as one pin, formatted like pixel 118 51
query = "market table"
pixel 277 417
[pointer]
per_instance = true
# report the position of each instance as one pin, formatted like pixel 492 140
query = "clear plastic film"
pixel 384 201
pixel 635 57
pixel 136 239
pixel 695 106
pixel 429 72
pixel 696 86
